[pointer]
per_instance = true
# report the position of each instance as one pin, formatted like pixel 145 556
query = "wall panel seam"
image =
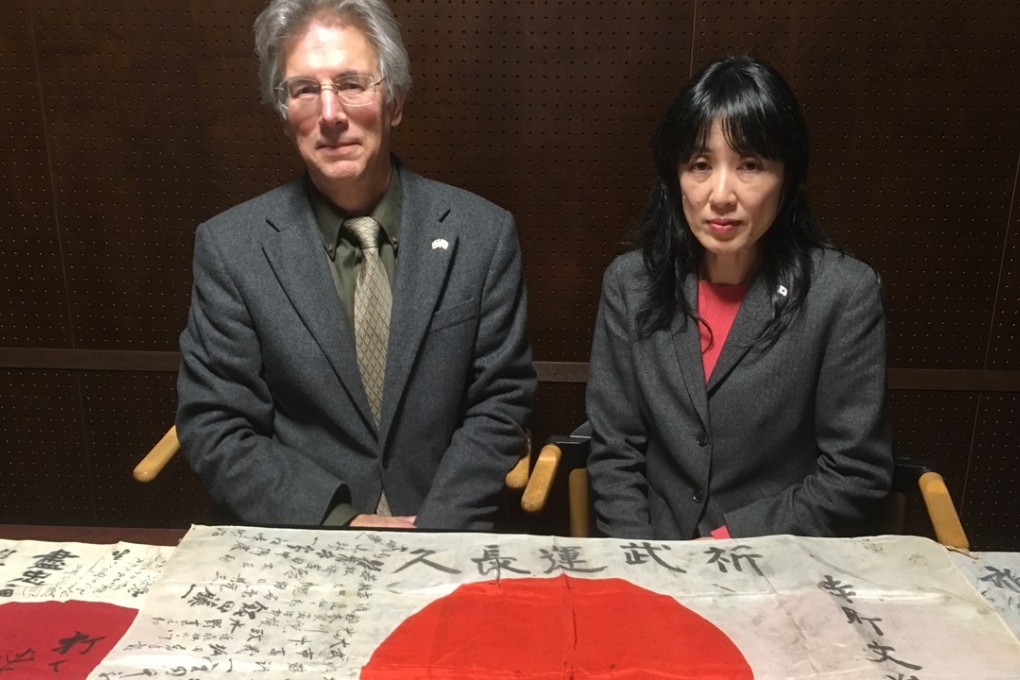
pixel 27 358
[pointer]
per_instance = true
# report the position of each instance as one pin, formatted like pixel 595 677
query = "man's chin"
pixel 340 170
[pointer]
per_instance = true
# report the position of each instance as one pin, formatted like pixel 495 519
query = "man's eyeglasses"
pixel 304 93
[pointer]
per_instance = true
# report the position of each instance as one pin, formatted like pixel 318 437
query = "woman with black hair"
pixel 737 380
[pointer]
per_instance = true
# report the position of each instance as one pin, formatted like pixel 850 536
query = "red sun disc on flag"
pixel 556 628
pixel 58 639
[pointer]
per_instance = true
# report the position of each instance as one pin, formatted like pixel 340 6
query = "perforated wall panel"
pixel 44 469
pixel 130 412
pixel 992 508
pixel 1003 354
pixel 912 111
pixel 546 108
pixel 33 297
pixel 147 121
pixel 153 125
pixel 125 124
pixel 559 409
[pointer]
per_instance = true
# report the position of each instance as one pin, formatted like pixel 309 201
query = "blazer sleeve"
pixel 616 463
pixel 225 413
pixel 497 400
pixel 851 430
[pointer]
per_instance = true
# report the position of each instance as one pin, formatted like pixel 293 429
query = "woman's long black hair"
pixel 759 115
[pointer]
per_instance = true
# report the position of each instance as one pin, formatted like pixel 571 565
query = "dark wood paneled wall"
pixel 124 124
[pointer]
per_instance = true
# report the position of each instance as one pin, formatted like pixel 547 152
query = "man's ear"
pixel 396 112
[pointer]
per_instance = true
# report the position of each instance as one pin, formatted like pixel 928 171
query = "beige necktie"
pixel 372 303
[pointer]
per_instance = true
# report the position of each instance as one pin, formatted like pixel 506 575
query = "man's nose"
pixel 332 110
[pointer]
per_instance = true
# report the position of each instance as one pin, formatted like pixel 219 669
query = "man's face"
pixel 346 149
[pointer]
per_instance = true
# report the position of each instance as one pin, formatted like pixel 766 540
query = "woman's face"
pixel 730 200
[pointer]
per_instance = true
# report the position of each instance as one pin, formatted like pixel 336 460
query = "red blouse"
pixel 718 304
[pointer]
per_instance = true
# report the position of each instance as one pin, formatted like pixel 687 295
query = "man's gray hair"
pixel 283 21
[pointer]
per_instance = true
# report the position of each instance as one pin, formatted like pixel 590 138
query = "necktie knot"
pixel 367 231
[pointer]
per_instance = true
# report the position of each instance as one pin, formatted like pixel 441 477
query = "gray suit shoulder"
pixel 467 205
pixel 837 266
pixel 627 274
pixel 627 266
pixel 282 199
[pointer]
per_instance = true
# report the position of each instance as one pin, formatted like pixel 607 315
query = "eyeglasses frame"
pixel 331 85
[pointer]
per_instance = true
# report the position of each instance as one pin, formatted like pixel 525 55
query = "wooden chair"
pixel 568 455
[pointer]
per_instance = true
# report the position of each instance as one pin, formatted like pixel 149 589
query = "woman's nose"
pixel 722 195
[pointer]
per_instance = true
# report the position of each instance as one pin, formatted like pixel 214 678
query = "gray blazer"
pixel 793 438
pixel 272 412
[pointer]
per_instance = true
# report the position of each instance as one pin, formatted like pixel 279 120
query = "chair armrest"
pixel 913 475
pixel 517 478
pixel 157 458
pixel 542 475
pixel 944 519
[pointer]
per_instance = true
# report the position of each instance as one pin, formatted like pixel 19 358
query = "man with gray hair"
pixel 356 349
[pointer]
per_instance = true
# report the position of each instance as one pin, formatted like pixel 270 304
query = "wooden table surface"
pixel 91 534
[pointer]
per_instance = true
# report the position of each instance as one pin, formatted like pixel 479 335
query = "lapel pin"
pixel 440 243
pixel 781 290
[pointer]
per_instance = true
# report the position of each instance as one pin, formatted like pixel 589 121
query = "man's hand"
pixel 383 522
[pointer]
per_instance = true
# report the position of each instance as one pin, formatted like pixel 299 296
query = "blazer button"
pixel 702 439
pixel 697 495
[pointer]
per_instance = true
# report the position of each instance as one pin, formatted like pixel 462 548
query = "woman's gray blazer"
pixel 791 438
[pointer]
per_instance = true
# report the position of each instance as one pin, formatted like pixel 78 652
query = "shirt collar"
pixel 387 211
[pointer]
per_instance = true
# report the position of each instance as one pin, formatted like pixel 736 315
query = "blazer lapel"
pixel 294 251
pixel 687 345
pixel 427 249
pixel 752 318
